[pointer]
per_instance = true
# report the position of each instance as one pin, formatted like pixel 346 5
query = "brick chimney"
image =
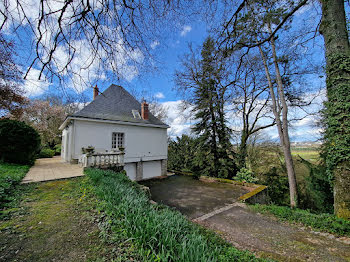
pixel 95 92
pixel 144 110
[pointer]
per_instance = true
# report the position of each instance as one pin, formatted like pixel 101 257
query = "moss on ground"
pixel 57 221
pixel 10 176
pixel 324 222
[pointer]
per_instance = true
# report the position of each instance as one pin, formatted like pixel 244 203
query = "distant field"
pixel 311 154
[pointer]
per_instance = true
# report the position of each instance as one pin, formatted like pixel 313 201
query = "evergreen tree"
pixel 211 125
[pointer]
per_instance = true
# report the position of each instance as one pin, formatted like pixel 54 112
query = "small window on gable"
pixel 117 140
pixel 136 114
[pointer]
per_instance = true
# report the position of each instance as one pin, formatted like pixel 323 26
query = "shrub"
pixel 10 176
pixel 277 181
pixel 318 193
pixel 189 154
pixel 324 222
pixel 19 142
pixel 46 153
pixel 245 175
pixel 181 153
pixel 57 149
pixel 159 233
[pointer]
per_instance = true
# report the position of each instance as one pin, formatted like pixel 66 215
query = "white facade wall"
pixel 150 168
pixel 66 149
pixel 142 144
pixel 130 169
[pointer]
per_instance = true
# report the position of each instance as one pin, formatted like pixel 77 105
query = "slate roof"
pixel 115 103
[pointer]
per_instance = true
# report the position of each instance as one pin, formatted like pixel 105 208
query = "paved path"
pixel 46 169
pixel 215 206
pixel 268 237
pixel 194 198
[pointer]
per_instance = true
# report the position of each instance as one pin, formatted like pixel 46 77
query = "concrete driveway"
pixel 46 169
pixel 193 198
pixel 215 206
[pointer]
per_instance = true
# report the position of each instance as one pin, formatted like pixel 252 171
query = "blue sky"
pixel 159 83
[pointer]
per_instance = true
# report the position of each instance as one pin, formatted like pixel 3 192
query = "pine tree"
pixel 211 126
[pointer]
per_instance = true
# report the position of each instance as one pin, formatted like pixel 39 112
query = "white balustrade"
pixel 102 160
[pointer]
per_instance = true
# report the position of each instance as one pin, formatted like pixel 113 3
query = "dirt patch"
pixel 191 197
pixel 56 223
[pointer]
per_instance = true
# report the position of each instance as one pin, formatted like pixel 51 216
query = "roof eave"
pixel 110 121
pixel 65 122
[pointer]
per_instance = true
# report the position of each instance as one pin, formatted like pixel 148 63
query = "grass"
pixel 58 221
pixel 323 222
pixel 310 154
pixel 10 177
pixel 159 233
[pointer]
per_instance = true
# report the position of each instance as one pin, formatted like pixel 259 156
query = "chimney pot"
pixel 144 110
pixel 95 92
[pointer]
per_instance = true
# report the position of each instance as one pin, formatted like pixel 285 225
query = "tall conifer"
pixel 211 125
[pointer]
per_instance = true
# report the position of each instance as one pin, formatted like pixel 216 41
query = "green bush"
pixel 57 149
pixel 46 153
pixel 10 176
pixel 188 154
pixel 245 175
pixel 159 233
pixel 19 142
pixel 181 153
pixel 318 195
pixel 324 222
pixel 277 181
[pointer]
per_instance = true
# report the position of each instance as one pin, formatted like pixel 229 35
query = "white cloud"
pixel 128 72
pixel 85 67
pixel 34 87
pixel 159 95
pixel 307 121
pixel 186 29
pixel 154 44
pixel 178 119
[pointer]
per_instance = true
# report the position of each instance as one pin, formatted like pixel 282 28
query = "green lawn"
pixel 310 154
pixel 58 221
pixel 10 177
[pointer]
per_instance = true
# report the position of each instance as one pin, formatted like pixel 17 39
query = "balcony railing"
pixel 102 160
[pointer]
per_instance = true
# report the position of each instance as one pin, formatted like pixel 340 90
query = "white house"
pixel 115 119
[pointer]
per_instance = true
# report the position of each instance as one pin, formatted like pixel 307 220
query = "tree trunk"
pixel 243 149
pixel 286 148
pixel 282 126
pixel 336 115
pixel 214 145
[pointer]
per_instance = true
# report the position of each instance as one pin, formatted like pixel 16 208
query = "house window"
pixel 136 114
pixel 117 140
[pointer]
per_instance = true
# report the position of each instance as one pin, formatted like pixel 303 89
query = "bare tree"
pixel 46 117
pixel 11 94
pixel 71 37
pixel 250 101
pixel 158 110
pixel 258 24
pixel 280 111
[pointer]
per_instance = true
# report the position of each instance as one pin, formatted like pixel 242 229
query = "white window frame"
pixel 118 140
pixel 136 114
